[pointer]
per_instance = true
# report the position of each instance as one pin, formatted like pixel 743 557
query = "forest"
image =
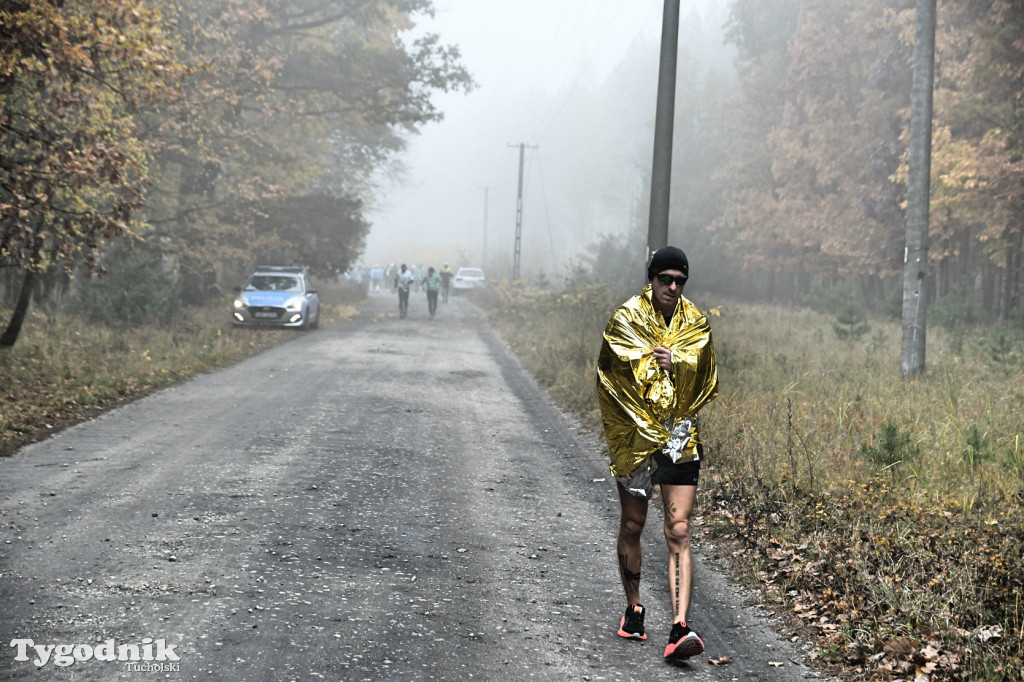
pixel 798 171
pixel 200 134
pixel 208 136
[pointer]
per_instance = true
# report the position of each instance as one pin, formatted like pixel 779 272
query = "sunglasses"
pixel 668 279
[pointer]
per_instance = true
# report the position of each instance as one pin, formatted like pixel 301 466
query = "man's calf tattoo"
pixel 630 580
pixel 676 602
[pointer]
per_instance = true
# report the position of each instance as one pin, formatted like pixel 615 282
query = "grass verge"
pixel 883 516
pixel 64 370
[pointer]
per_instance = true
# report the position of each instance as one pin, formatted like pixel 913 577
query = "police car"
pixel 277 296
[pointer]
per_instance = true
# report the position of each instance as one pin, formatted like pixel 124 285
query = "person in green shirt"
pixel 432 284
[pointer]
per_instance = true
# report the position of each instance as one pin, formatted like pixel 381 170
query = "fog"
pixel 575 81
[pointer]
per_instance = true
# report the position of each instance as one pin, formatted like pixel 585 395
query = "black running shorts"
pixel 675 473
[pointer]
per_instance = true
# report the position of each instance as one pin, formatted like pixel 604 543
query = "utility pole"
pixel 661 171
pixel 519 209
pixel 918 192
pixel 487 190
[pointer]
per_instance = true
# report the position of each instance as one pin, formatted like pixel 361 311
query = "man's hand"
pixel 663 356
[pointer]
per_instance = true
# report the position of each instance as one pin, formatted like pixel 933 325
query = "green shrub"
pixel 892 447
pixel 134 292
pixel 851 322
pixel 1001 346
pixel 892 308
pixel 974 445
pixel 956 310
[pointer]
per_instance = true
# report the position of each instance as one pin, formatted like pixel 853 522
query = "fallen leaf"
pixel 720 661
pixel 777 664
pixel 899 647
pixel 989 632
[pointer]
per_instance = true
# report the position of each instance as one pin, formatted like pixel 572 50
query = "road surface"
pixel 381 499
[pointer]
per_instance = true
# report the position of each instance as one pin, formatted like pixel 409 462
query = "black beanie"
pixel 668 258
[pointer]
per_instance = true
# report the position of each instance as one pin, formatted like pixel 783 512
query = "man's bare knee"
pixel 632 526
pixel 678 533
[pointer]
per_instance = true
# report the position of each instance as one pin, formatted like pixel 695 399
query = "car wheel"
pixel 316 321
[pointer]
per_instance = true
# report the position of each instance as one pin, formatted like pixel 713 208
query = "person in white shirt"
pixel 403 281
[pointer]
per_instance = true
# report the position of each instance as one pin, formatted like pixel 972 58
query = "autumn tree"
pixel 978 173
pixel 745 229
pixel 292 109
pixel 827 208
pixel 73 169
pixel 816 185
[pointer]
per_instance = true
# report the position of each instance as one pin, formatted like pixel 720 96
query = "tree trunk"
pixel 988 287
pixel 912 351
pixel 1004 286
pixel 20 310
pixel 964 275
pixel 942 286
pixel 769 285
pixel 1014 272
pixel 787 104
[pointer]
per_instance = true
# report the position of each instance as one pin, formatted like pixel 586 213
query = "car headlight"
pixel 294 303
pixel 241 301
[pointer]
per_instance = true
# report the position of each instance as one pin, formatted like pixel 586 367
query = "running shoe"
pixel 683 643
pixel 632 625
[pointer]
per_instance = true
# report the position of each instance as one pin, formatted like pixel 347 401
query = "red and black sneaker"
pixel 683 643
pixel 632 625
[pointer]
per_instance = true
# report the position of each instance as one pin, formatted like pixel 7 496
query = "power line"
pixel 561 63
pixel 547 214
pixel 538 97
pixel 548 116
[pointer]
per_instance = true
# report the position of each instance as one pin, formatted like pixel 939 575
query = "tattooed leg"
pixel 679 500
pixel 630 579
pixel 631 526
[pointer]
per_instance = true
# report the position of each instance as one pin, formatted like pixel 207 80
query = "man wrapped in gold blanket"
pixel 655 371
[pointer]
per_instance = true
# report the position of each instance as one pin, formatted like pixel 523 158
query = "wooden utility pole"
pixel 912 351
pixel 661 172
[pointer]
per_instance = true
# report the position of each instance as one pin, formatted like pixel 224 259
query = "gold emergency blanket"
pixel 636 396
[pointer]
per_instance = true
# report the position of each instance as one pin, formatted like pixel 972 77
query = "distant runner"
pixel 432 284
pixel 447 274
pixel 403 280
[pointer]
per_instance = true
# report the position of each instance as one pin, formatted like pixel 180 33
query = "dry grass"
pixel 63 369
pixel 884 515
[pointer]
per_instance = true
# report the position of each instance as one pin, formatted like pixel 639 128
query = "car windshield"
pixel 471 272
pixel 273 283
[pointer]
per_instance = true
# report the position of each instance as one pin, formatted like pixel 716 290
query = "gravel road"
pixel 381 499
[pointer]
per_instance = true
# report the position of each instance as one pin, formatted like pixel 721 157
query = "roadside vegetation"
pixel 76 361
pixel 884 516
pixel 203 136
